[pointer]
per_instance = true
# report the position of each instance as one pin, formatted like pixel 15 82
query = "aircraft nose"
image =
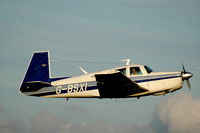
pixel 187 75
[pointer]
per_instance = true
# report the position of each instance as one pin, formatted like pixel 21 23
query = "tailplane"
pixel 38 73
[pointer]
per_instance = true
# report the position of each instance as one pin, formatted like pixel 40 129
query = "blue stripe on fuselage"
pixel 154 79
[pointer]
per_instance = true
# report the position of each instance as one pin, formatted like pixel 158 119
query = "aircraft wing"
pixel 116 85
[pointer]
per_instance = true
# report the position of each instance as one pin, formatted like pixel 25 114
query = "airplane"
pixel 130 80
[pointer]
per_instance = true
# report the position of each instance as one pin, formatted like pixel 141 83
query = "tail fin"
pixel 37 75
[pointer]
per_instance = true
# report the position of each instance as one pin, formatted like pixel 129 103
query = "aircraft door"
pixel 136 74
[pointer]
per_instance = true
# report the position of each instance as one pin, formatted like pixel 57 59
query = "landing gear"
pixel 67 99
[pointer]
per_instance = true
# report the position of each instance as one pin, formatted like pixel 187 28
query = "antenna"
pixel 127 61
pixel 85 72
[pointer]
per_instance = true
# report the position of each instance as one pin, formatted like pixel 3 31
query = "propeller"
pixel 186 76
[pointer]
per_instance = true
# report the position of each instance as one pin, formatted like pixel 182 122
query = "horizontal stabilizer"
pixel 33 86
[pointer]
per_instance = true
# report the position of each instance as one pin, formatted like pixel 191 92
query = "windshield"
pixel 148 69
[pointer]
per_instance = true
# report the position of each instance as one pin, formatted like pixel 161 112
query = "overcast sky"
pixel 159 33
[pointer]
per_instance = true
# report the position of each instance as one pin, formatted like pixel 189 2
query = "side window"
pixel 123 71
pixel 135 71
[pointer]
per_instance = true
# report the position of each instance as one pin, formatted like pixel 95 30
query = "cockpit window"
pixel 135 71
pixel 123 71
pixel 148 69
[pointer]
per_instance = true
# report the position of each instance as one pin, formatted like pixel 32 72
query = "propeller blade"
pixel 188 84
pixel 183 68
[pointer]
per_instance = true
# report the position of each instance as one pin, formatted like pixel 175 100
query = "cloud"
pixel 45 122
pixel 78 108
pixel 12 126
pixel 178 114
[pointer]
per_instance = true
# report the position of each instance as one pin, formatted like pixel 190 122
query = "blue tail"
pixel 38 69
pixel 37 75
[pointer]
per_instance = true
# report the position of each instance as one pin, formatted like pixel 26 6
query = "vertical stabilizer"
pixel 38 69
pixel 38 74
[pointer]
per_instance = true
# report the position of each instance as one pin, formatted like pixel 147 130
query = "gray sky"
pixel 159 33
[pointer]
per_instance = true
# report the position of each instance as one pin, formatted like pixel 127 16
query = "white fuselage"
pixel 85 86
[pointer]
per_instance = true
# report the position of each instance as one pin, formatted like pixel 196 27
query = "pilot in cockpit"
pixel 135 71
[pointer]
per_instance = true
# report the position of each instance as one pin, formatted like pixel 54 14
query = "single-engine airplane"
pixel 122 82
